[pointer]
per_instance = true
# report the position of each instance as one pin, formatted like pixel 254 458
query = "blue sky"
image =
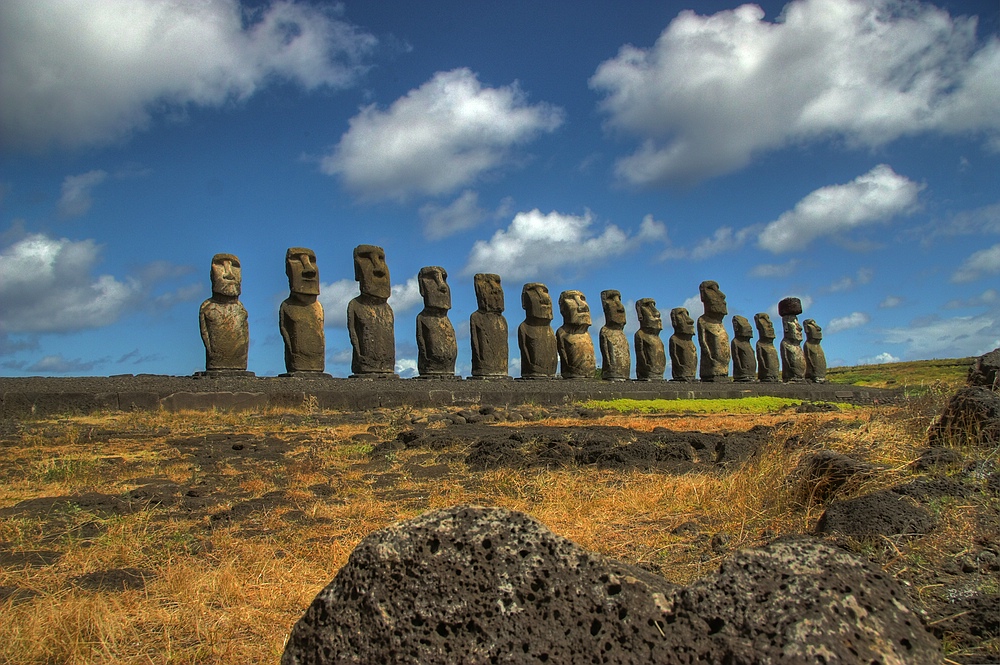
pixel 844 152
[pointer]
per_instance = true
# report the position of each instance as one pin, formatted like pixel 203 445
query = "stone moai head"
pixel 489 292
pixel 742 328
pixel 614 310
pixel 226 275
pixel 371 271
pixel 813 332
pixel 764 326
pixel 574 308
pixel 536 301
pixel 792 329
pixel 681 321
pixel 434 289
pixel 649 316
pixel 713 299
pixel 303 275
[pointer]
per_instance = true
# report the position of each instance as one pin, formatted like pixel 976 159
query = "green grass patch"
pixel 762 404
pixel 917 374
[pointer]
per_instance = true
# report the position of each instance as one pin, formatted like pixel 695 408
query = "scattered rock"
pixel 823 473
pixel 971 417
pixel 984 371
pixel 883 513
pixel 936 456
pixel 926 489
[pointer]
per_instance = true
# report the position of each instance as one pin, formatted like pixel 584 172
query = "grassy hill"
pixel 917 375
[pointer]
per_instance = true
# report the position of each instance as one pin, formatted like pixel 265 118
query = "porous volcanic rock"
pixel 823 473
pixel 472 584
pixel 984 371
pixel 883 513
pixel 971 417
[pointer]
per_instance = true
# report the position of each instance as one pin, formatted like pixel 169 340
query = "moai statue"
pixel 768 369
pixel 616 362
pixel 683 354
pixel 437 347
pixel 712 336
pixel 744 361
pixel 488 329
pixel 369 317
pixel 815 358
pixel 223 321
pixel 300 317
pixel 793 360
pixel 535 338
pixel 650 357
pixel 574 343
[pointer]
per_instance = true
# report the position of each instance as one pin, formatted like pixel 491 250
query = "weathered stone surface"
pixel 488 329
pixel 300 317
pixel 793 359
pixel 470 584
pixel 535 338
pixel 821 474
pixel 370 321
pixel 789 307
pixel 713 340
pixel 985 370
pixel 616 360
pixel 744 360
pixel 437 347
pixel 815 371
pixel 882 513
pixel 650 356
pixel 936 456
pixel 768 366
pixel 971 417
pixel 223 319
pixel 573 341
pixel 683 354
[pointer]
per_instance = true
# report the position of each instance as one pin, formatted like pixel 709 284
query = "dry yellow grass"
pixel 227 591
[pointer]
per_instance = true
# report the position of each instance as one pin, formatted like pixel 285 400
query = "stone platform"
pixel 38 396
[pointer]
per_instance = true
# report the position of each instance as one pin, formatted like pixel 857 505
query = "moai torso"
pixel 683 354
pixel 223 319
pixel 815 357
pixel 650 356
pixel 535 339
pixel 616 361
pixel 437 347
pixel 573 341
pixel 768 366
pixel 793 360
pixel 713 339
pixel 488 329
pixel 300 317
pixel 744 360
pixel 370 321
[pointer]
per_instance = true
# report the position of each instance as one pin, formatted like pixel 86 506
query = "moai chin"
pixel 223 321
pixel 488 329
pixel 815 357
pixel 744 361
pixel 437 347
pixel 300 317
pixel 369 317
pixel 573 341
pixel 535 338
pixel 616 361
pixel 768 367
pixel 650 356
pixel 793 360
pixel 683 354
pixel 713 339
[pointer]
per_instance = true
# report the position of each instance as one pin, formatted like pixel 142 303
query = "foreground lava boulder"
pixel 470 584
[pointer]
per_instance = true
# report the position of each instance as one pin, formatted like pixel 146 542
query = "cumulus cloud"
pixel 405 296
pixel 335 296
pixel 774 269
pixel 693 305
pixel 75 199
pixel 880 359
pixel 436 138
pixel 461 214
pixel 852 320
pixel 79 73
pixel 876 196
pixel 863 276
pixel 714 91
pixel 725 239
pixel 57 364
pixel 948 338
pixel 890 301
pixel 986 298
pixel 406 367
pixel 983 262
pixel 537 243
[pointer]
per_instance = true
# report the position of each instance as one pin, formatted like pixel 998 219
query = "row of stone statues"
pixel 370 323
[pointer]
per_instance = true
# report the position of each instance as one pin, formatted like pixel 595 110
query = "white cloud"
pixel 535 244
pixel 335 296
pixel 693 305
pixel 986 298
pixel 436 138
pixel 876 196
pixel 852 320
pixel 406 367
pixel 79 73
pixel 56 364
pixel 461 214
pixel 46 286
pixel 723 240
pixel 406 296
pixel 775 269
pixel 948 338
pixel 714 91
pixel 863 276
pixel 651 229
pixel 75 198
pixel 880 359
pixel 890 302
pixel 985 261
